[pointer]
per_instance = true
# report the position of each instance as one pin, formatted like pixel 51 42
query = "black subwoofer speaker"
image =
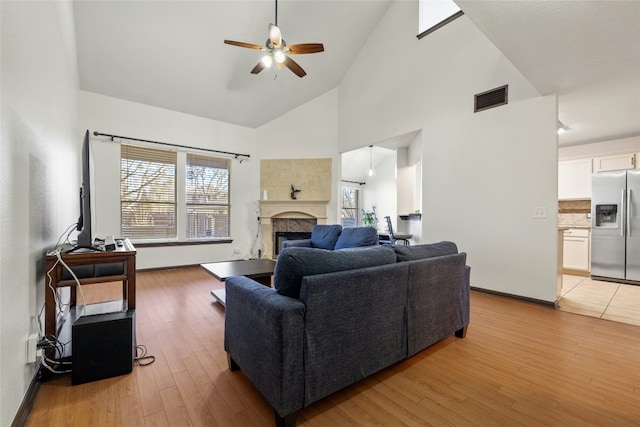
pixel 102 346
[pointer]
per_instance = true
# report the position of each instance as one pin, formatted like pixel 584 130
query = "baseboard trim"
pixel 24 410
pixel 515 297
pixel 574 272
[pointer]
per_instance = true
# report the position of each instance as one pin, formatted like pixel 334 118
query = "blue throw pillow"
pixel 354 237
pixel 325 236
pixel 295 263
pixel 409 253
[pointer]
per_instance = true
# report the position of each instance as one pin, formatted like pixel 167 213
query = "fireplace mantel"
pixel 300 209
pixel 286 208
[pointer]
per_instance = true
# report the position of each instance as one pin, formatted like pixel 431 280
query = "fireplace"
pixel 288 216
pixel 290 229
pixel 281 236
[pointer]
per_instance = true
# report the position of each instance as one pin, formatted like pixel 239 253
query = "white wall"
pixel 309 131
pixel 414 158
pixel 482 173
pixel 615 146
pixel 39 172
pixel 406 188
pixel 485 199
pixel 119 117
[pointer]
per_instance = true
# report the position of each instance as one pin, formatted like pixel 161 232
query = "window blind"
pixel 147 193
pixel 207 194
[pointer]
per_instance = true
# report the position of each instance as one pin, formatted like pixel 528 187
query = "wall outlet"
pixel 539 212
pixel 32 348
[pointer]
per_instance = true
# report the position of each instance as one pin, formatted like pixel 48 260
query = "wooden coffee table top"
pixel 252 268
pixel 257 269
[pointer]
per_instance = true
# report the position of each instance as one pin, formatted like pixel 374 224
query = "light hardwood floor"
pixel 520 364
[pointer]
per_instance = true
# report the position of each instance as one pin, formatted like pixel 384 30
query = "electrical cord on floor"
pixel 142 359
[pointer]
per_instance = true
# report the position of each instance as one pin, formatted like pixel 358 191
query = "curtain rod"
pixel 354 182
pixel 236 155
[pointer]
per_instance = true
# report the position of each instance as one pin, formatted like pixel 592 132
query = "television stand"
pixel 90 266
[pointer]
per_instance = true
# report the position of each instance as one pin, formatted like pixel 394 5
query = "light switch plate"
pixel 539 212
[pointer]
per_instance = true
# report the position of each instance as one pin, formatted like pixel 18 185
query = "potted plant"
pixel 369 218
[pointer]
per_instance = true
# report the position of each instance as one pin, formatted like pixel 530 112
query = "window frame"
pixel 438 24
pixel 211 160
pixel 130 155
pixel 181 203
pixel 356 209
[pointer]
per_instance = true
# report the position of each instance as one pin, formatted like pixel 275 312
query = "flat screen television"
pixel 85 236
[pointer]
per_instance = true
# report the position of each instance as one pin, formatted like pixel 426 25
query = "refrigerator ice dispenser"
pixel 606 215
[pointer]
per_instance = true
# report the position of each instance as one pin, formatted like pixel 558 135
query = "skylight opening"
pixel 434 14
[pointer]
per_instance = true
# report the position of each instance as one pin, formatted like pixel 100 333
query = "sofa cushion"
pixel 354 237
pixel 325 236
pixel 409 253
pixel 295 263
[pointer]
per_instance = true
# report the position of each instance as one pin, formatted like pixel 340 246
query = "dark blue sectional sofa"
pixel 337 316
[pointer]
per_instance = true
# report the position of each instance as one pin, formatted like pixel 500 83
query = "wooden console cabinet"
pixel 125 254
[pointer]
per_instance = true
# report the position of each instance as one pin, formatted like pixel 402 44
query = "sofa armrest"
pixel 302 243
pixel 263 336
pixel 438 303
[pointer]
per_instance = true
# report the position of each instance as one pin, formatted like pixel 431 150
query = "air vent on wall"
pixel 491 98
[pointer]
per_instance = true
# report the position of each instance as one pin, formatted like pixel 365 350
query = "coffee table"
pixel 259 270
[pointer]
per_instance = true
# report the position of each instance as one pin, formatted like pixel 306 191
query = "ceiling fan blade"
pixel 259 67
pixel 304 48
pixel 243 44
pixel 293 66
pixel 275 35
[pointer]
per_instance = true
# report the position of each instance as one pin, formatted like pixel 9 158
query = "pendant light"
pixel 370 172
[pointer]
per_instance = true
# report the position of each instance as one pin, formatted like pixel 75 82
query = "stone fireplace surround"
pixel 288 216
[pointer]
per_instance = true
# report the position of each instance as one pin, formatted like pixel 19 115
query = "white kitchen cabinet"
pixel 574 179
pixel 616 162
pixel 576 250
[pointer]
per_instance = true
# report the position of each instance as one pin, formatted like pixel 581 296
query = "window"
pixel 207 197
pixel 155 207
pixel 434 14
pixel 147 193
pixel 349 207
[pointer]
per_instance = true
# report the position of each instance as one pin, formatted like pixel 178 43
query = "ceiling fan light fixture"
pixel 276 49
pixel 267 60
pixel 278 55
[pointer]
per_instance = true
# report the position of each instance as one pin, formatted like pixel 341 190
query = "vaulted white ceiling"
pixel 586 51
pixel 171 54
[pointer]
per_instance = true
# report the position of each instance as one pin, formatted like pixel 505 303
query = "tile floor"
pixel 606 300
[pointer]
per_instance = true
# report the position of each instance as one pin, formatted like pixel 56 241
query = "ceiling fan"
pixel 277 50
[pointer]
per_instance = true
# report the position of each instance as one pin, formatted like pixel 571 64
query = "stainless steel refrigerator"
pixel 615 225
